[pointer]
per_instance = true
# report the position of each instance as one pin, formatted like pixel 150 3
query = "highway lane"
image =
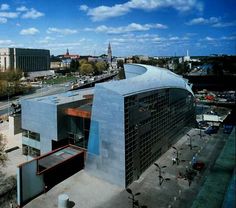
pixel 44 91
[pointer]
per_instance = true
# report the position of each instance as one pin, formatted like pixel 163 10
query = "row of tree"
pixel 10 84
pixel 85 68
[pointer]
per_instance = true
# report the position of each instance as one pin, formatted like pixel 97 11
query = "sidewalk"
pixel 15 157
pixel 86 191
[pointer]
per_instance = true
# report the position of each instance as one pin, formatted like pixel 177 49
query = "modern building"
pixel 46 125
pixel 136 120
pixel 25 59
pixel 125 125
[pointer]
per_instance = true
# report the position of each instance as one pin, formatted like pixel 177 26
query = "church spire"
pixel 67 52
pixel 109 54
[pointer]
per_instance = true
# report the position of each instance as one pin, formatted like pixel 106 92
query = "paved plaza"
pixel 85 191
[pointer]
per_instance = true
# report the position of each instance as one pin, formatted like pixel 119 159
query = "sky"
pixel 133 27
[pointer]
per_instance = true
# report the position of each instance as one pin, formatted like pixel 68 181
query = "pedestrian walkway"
pixel 14 157
pixel 86 191
pixel 215 187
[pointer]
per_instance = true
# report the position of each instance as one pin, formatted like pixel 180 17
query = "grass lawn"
pixel 60 80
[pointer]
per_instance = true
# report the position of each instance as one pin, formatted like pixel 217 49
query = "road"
pixel 44 91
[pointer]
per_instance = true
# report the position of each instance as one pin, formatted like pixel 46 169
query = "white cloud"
pixel 157 39
pixel 32 14
pixel 64 31
pixel 84 7
pixel 228 38
pixel 4 7
pixel 29 31
pixel 3 20
pixel 125 29
pixel 203 21
pixel 213 21
pixel 209 38
pixel 6 42
pixel 174 38
pixel 22 9
pixel 9 14
pixel 47 39
pixel 104 12
pixel 224 24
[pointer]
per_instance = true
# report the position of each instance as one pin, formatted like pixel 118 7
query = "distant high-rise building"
pixel 25 59
pixel 109 54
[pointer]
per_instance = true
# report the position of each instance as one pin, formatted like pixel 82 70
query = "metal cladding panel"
pixel 29 184
pixel 106 147
pixel 40 118
pixel 143 78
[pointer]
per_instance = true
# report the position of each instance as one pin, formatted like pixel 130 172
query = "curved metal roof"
pixel 141 78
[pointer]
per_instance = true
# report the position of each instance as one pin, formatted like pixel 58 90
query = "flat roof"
pixel 56 157
pixel 66 97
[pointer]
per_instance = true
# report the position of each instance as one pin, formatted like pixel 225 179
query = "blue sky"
pixel 134 27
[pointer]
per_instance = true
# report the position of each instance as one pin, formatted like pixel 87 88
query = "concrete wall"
pixel 29 184
pixel 106 147
pixel 15 124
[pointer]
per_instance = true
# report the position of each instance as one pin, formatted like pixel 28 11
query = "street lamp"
pixel 161 179
pixel 190 141
pixel 177 155
pixel 8 99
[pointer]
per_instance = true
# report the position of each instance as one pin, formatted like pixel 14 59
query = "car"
pixel 198 165
pixel 203 125
pixel 228 129
pixel 211 130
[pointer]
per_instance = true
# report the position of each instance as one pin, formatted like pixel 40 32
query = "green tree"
pixel 13 75
pixel 182 68
pixel 3 155
pixel 86 69
pixel 100 67
pixel 120 64
pixel 74 65
pixel 83 61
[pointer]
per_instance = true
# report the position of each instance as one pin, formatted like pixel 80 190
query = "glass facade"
pixel 153 121
pixel 30 143
pixel 31 151
pixel 31 135
pixel 78 131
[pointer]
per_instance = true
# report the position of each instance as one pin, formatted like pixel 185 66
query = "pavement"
pixel 14 157
pixel 85 191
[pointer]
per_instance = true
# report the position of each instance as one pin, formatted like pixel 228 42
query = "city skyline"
pixel 133 27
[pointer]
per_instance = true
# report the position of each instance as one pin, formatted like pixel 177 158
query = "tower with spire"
pixel 67 52
pixel 109 54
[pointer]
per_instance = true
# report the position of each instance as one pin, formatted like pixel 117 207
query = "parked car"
pixel 211 130
pixel 203 125
pixel 228 129
pixel 199 165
